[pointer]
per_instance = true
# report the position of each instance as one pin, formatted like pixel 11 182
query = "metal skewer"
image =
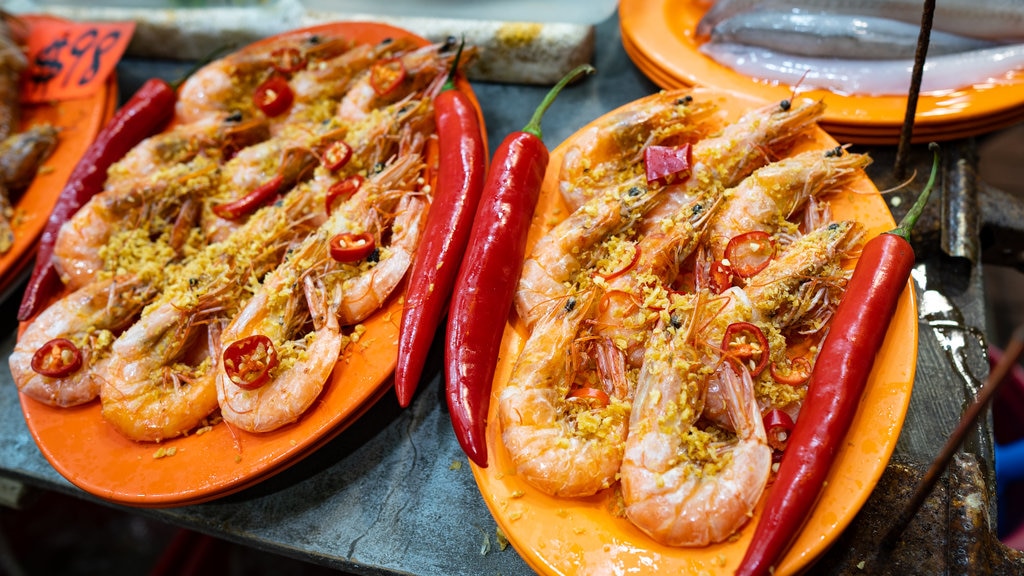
pixel 903 150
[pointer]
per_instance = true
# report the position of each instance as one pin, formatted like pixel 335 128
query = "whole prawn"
pixel 89 318
pixel 146 189
pixel 559 443
pixel 597 156
pixel 687 484
pixel 741 147
pixel 160 377
pixel 569 248
pixel 278 312
pixel 767 199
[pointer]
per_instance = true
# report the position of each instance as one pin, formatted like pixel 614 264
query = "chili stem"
pixel 449 83
pixel 533 126
pixel 908 220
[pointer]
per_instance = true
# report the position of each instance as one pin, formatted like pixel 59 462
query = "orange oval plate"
pixel 581 536
pixel 79 121
pixel 658 35
pixel 95 457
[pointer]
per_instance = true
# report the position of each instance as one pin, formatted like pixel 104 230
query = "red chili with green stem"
pixel 462 167
pixel 486 282
pixel 837 382
pixel 144 114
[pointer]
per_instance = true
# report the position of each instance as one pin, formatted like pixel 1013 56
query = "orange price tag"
pixel 71 60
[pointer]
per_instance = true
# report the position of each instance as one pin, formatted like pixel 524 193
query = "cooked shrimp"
pixel 21 155
pixel 765 200
pixel 800 285
pixel 319 87
pixel 742 147
pixel 306 359
pixel 598 156
pixel 161 374
pixel 796 292
pixel 227 85
pixel 568 248
pixel 626 312
pixel 682 485
pixel 560 443
pixel 89 318
pixel 366 292
pixel 159 384
pixel 276 313
pixel 424 71
pixel 145 189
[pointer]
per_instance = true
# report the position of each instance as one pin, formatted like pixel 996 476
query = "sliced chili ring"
pixel 274 96
pixel 777 426
pixel 746 343
pixel 386 75
pixel 248 361
pixel 719 277
pixel 288 60
pixel 350 247
pixel 749 253
pixel 595 397
pixel 342 190
pixel 667 164
pixel 799 372
pixel 626 268
pixel 57 358
pixel 337 155
pixel 251 201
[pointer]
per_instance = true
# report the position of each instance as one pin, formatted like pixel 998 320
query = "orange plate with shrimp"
pixel 658 36
pixel 584 536
pixel 200 467
pixel 79 121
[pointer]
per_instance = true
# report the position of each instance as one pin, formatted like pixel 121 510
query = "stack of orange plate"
pixel 658 37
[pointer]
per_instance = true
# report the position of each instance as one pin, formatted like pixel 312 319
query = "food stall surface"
pixel 393 493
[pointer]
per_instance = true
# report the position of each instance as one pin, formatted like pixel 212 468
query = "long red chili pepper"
pixel 837 381
pixel 146 112
pixel 487 278
pixel 462 157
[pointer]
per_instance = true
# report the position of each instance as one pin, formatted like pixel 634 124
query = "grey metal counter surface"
pixel 393 493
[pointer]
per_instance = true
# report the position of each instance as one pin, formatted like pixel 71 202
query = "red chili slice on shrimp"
pixel 667 164
pixel 248 361
pixel 595 397
pixel 749 253
pixel 274 96
pixel 720 277
pixel 386 75
pixel 777 426
pixel 342 190
pixel 746 343
pixel 57 358
pixel 350 247
pixel 288 60
pixel 336 156
pixel 252 201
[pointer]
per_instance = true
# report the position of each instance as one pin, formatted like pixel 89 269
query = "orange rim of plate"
pixel 581 535
pixel 91 454
pixel 659 38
